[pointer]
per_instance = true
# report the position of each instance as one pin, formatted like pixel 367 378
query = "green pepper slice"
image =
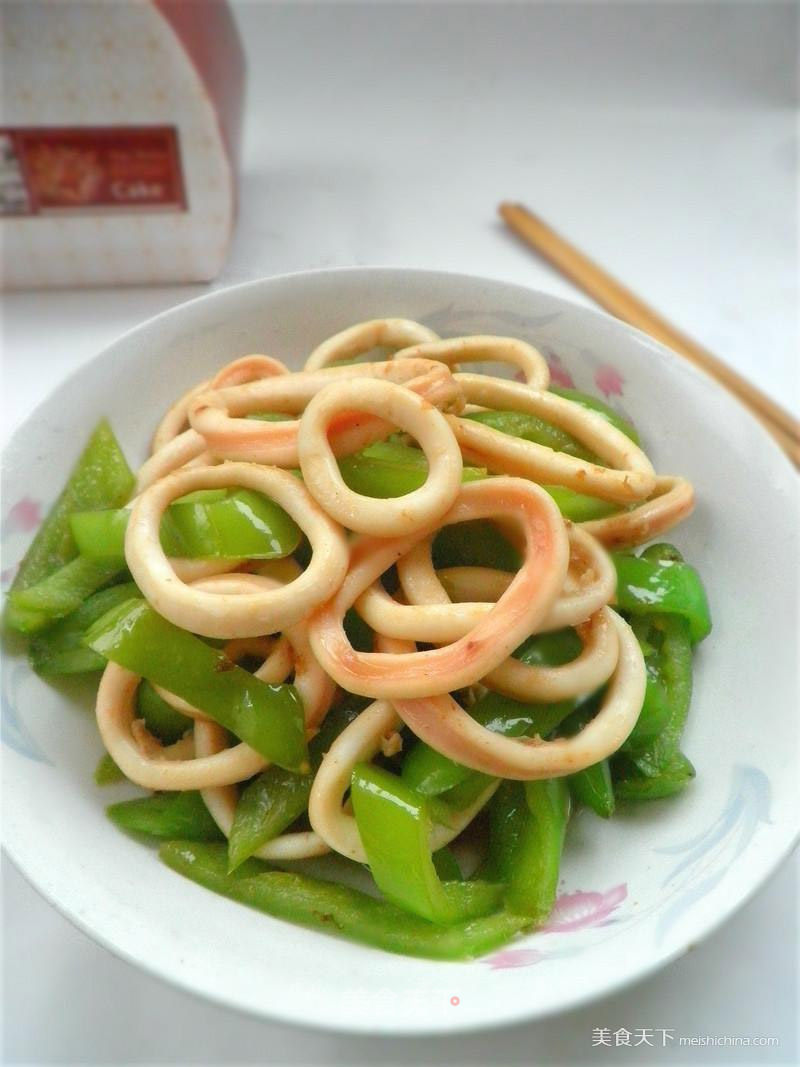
pixel 63 591
pixel 391 469
pixel 531 428
pixel 430 773
pixel 671 779
pixel 508 814
pixel 593 403
pixel 338 909
pixel 475 543
pixel 660 584
pixel 394 825
pixel 241 525
pixel 268 717
pixel 60 648
pixel 107 772
pixel 594 788
pixel 160 718
pixel 536 857
pixel 101 478
pixel 167 815
pixel 667 645
pixel 656 710
pixel 272 801
pixel 578 507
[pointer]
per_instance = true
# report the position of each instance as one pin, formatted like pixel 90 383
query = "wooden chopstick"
pixel 623 303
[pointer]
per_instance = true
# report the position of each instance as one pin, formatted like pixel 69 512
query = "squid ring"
pixel 358 339
pixel 115 719
pixel 217 415
pixel 456 350
pixel 587 588
pixel 587 672
pixel 276 653
pixel 671 502
pixel 407 410
pixel 222 766
pixel 519 611
pixel 360 741
pixel 221 800
pixel 187 448
pixel 443 724
pixel 629 476
pixel 176 418
pixel 249 614
pixel 174 446
pixel 445 605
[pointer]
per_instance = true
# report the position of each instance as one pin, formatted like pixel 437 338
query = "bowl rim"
pixel 660 350
pixel 737 899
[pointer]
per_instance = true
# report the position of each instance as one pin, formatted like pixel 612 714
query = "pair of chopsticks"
pixel 623 303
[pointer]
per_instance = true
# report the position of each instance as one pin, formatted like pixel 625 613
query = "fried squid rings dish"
pixel 396 574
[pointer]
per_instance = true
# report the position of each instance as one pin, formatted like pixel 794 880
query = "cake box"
pixel 119 141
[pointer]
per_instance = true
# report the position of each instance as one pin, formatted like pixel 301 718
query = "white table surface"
pixel 661 138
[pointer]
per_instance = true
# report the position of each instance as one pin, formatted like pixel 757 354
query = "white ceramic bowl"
pixel 637 891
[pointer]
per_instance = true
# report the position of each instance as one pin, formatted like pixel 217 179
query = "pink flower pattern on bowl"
pixel 574 911
pixel 514 957
pixel 579 910
pixel 608 380
pixel 23 517
pixel 559 375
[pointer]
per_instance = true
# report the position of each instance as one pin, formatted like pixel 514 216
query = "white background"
pixel 659 137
